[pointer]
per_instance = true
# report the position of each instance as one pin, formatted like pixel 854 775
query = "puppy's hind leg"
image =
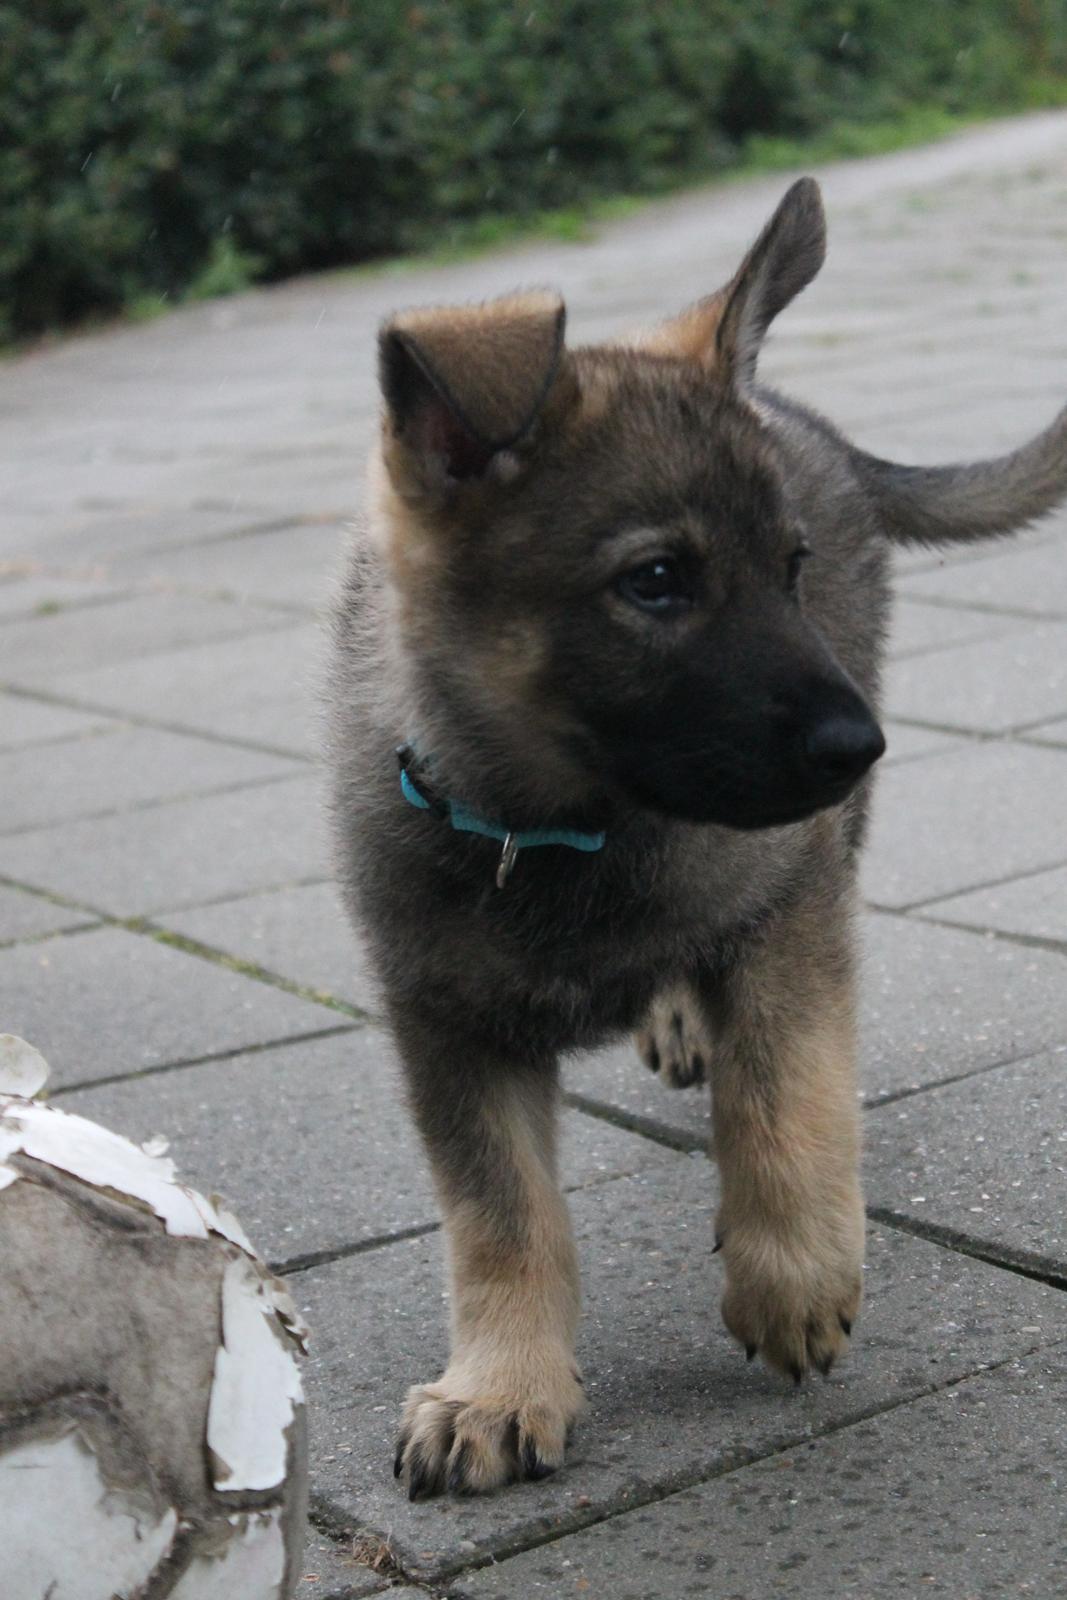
pixel 511 1391
pixel 675 1040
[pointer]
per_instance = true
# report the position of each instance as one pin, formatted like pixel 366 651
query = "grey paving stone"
pixel 28 916
pixel 1032 580
pixel 908 564
pixel 1050 733
pixel 918 629
pixel 984 1161
pixel 36 593
pixel 989 687
pixel 905 743
pixel 313 1144
pixel 956 1494
pixel 291 565
pixel 25 721
pixel 106 1002
pixel 331 1572
pixel 100 534
pixel 178 854
pixel 23 529
pixel 1034 906
pixel 964 818
pixel 618 1079
pixel 934 1002
pixel 116 770
pixel 39 649
pixel 672 1399
pixel 259 688
pixel 937 1002
pixel 327 486
pixel 300 933
pixel 258 401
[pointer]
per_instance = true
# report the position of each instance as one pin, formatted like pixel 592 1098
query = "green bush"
pixel 150 145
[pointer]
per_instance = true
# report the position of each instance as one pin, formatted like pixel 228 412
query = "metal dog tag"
pixel 507 860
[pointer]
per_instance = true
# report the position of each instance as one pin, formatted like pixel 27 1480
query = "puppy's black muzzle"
pixel 763 728
pixel 841 748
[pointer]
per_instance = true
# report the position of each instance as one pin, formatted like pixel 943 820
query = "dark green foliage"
pixel 149 144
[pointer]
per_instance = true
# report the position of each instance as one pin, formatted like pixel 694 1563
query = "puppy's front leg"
pixel 503 1407
pixel 791 1221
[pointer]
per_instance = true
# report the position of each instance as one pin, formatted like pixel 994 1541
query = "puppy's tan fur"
pixel 629 591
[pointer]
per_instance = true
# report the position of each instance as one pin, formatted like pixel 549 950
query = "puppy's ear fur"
pixel 723 332
pixel 462 383
pixel 690 336
pixel 783 260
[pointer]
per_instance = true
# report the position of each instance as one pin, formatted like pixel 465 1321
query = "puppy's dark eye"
pixel 793 566
pixel 660 586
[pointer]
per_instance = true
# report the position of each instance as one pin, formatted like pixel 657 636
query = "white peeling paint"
pixel 101 1546
pixel 9 1144
pixel 23 1070
pixel 112 1541
pixel 285 1306
pixel 250 1567
pixel 223 1221
pixel 108 1161
pixel 104 1159
pixel 255 1389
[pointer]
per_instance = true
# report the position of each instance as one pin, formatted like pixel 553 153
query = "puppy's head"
pixel 598 578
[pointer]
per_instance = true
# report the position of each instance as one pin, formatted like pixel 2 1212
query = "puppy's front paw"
pixel 794 1304
pixel 674 1040
pixel 470 1436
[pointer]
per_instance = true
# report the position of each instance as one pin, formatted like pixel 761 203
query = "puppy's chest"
pixel 580 945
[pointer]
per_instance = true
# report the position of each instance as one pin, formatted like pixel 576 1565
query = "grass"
pixel 482 235
pixel 231 271
pixel 855 140
pixel 916 125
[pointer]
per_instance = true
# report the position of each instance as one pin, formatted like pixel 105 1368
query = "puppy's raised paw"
pixel 675 1041
pixel 794 1306
pixel 463 1442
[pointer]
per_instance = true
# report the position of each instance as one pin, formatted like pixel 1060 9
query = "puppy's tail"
pixel 980 500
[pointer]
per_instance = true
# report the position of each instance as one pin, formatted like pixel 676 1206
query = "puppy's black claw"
pixel 398 1459
pixel 846 1326
pixel 417 1482
pixel 457 1472
pixel 696 1067
pixel 825 1365
pixel 717 1246
pixel 652 1060
pixel 796 1373
pixel 420 1475
pixel 750 1352
pixel 532 1465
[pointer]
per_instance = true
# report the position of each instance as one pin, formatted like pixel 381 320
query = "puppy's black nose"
pixel 840 748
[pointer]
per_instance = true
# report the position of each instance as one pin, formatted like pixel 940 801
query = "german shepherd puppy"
pixel 622 611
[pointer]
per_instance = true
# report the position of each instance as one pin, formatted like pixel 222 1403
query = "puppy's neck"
pixel 455 703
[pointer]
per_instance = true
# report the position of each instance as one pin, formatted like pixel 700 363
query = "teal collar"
pixel 417 792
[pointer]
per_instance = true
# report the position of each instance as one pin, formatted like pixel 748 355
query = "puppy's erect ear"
pixel 723 331
pixel 465 382
pixel 783 260
pixel 690 336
